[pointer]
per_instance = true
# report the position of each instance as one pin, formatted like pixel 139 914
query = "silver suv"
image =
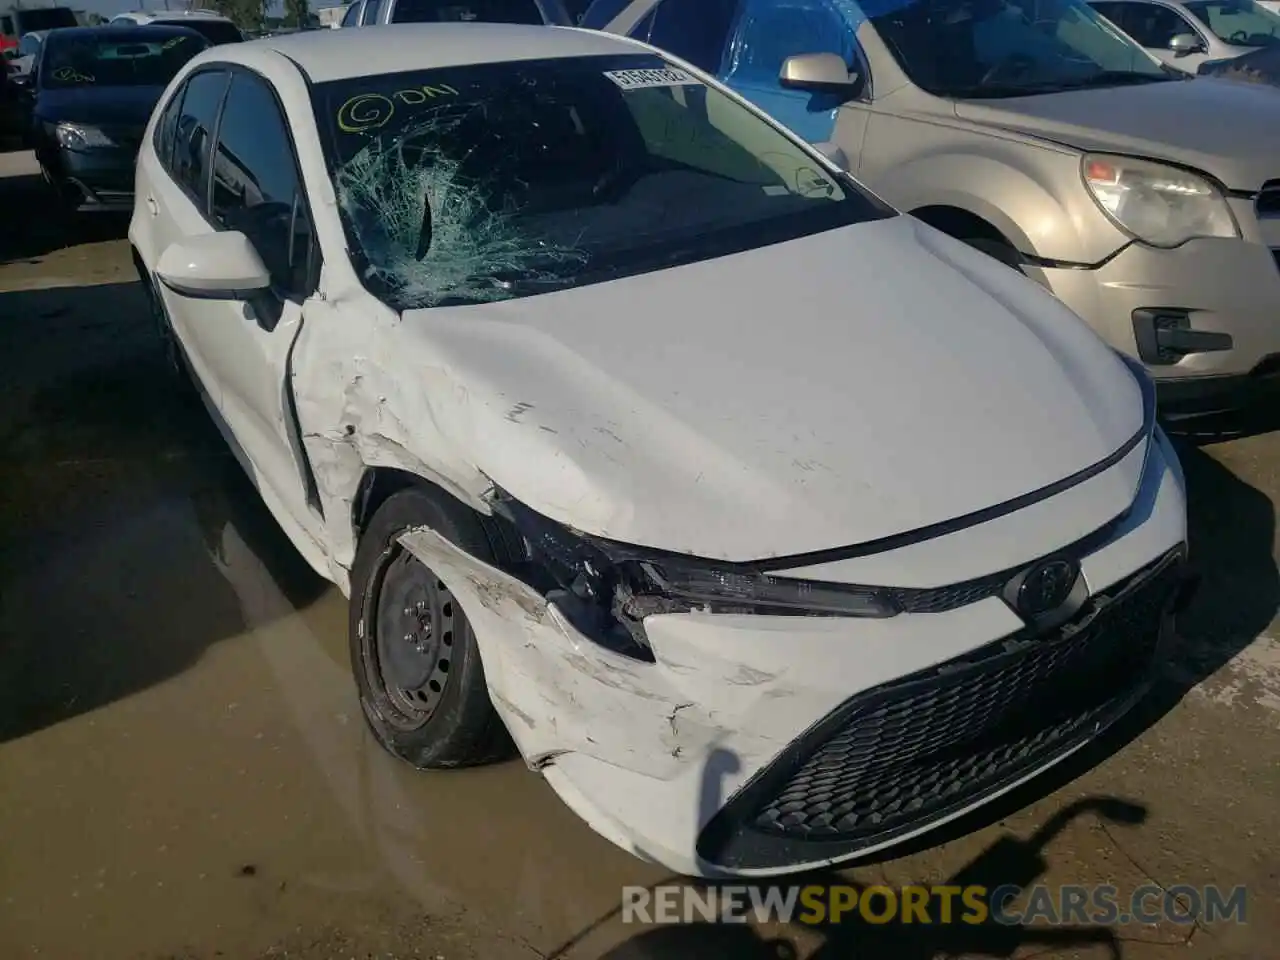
pixel 1147 200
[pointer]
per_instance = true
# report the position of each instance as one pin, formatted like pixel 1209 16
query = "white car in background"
pixel 774 526
pixel 214 27
pixel 1187 33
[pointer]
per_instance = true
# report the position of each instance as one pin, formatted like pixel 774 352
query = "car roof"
pixel 341 54
pixel 174 15
pixel 123 30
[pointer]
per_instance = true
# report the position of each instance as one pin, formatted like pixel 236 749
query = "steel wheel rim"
pixel 411 620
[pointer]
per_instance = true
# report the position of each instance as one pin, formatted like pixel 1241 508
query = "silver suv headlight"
pixel 1159 204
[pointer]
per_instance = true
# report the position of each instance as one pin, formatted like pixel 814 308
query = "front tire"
pixel 416 663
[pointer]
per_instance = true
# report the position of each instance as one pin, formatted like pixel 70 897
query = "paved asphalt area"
pixel 184 771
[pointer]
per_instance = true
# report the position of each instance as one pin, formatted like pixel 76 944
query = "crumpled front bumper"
pixel 692 761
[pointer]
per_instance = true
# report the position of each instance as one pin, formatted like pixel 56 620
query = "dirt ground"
pixel 184 772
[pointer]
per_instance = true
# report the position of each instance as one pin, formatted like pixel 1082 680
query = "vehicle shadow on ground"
pixel 35 226
pixel 994 932
pixel 113 503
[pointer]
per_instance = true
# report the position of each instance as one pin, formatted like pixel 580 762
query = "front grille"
pixel 894 759
pixel 956 595
pixel 1268 202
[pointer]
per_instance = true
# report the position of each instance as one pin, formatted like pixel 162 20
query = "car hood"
pixel 111 106
pixel 1257 66
pixel 1229 130
pixel 829 391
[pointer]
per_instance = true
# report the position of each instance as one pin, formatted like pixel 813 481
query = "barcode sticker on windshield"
pixel 639 79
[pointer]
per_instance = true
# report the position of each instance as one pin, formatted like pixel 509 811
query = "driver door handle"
pixel 152 207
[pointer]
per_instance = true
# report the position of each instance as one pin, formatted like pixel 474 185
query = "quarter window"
pixel 194 131
pixel 166 129
pixel 370 15
pixel 256 188
pixel 352 17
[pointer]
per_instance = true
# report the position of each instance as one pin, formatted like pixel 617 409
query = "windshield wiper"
pixel 1105 78
pixel 1117 78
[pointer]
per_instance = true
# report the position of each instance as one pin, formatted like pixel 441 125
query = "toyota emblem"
pixel 1046 587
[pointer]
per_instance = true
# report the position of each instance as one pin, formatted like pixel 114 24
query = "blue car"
pixel 743 44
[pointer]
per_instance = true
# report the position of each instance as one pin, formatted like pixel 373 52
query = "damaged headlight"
pixel 761 592
pixel 604 586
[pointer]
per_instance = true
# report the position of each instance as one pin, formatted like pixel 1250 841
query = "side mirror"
pixel 821 73
pixel 214 266
pixel 1185 43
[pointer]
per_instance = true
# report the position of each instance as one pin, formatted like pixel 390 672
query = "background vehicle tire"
pixel 413 652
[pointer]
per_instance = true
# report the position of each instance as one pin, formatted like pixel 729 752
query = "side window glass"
pixel 370 12
pixel 771 32
pixel 1153 26
pixel 166 129
pixel 255 183
pixel 194 130
pixel 351 17
pixel 601 13
pixel 695 30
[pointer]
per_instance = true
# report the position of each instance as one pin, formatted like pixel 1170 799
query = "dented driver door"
pixel 256 190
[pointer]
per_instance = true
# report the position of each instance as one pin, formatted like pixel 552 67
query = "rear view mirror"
pixel 1185 43
pixel 820 73
pixel 214 266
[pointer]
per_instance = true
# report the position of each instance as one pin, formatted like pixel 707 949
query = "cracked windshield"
pixel 490 182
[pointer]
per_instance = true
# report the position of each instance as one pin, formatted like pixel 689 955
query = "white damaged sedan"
pixel 773 526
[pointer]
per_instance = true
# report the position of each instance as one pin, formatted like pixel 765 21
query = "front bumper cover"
pixel 1223 287
pixel 658 756
pixel 99 180
pixel 929 745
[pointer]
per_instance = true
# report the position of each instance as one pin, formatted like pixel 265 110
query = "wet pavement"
pixel 184 771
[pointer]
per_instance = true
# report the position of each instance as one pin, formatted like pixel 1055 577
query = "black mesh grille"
pixel 956 595
pixel 910 752
pixel 941 599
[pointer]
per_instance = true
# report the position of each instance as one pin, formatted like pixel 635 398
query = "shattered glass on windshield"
pixel 493 181
pixel 427 231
